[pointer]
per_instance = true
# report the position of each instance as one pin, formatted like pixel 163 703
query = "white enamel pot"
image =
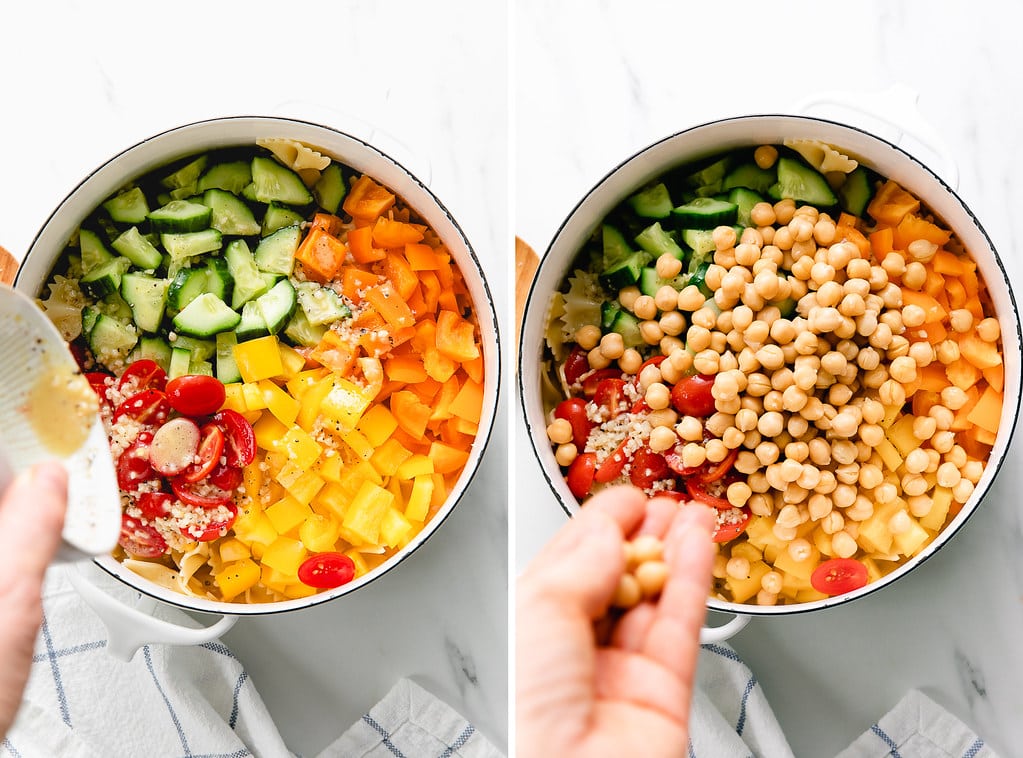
pixel 132 626
pixel 885 157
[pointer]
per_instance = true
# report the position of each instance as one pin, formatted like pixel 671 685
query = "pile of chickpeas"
pixel 645 572
pixel 801 397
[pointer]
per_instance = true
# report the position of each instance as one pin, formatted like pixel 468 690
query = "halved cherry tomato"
pixel 580 474
pixel 708 493
pixel 141 375
pixel 239 439
pixel 146 407
pixel 188 493
pixel 576 364
pixel 712 472
pixel 133 464
pixel 731 524
pixel 140 540
pixel 590 382
pixel 226 477
pixel 611 467
pixel 214 529
pixel 211 447
pixel 610 393
pixel 98 381
pixel 640 406
pixel 326 570
pixel 691 395
pixel 573 410
pixel 81 356
pixel 647 467
pixel 838 576
pixel 674 460
pixel 195 395
pixel 154 505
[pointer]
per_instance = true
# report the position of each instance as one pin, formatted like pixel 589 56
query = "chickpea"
pixel 646 548
pixel 669 345
pixel 943 417
pixel 693 455
pixel 948 475
pixel 921 250
pixel 651 577
pixel 913 316
pixel 914 484
pixel 961 320
pixel 690 429
pixel 630 361
pixel 597 359
pixel 891 392
pixel 668 266
pixel 989 330
pixel 920 505
pixel 644 307
pixel 843 544
pixel 690 298
pixel 657 396
pixel 947 352
pixel 784 210
pixel 662 438
pixel 899 523
pixel 765 156
pixel 663 417
pixel 739 493
pixel 706 362
pixel 724 237
pixel 962 491
pixel 587 336
pixel 612 346
pixel 672 323
pixel 894 264
pixel 649 375
pixel 628 592
pixel 861 509
pixel 747 254
pixel 914 276
pixel 566 453
pixel 559 431
pixel 650 331
pixel 824 231
pixel 666 298
pixel 681 360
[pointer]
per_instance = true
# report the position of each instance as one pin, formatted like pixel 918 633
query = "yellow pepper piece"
pixel 366 512
pixel 330 466
pixel 297 590
pixel 419 501
pixel 312 399
pixel 302 449
pixel 287 513
pixel 253 397
pixel 279 403
pixel 377 424
pixel 285 555
pixel 389 456
pixel 331 500
pixel 344 404
pixel 415 466
pixel 257 531
pixel 234 398
pixel 394 527
pixel 259 358
pixel 236 577
pixel 233 549
pixel 304 488
pixel 318 533
pixel 291 361
pixel 252 479
pixel 359 444
pixel 269 431
pixel 360 562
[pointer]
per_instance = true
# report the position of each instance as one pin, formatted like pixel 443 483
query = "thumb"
pixel 31 519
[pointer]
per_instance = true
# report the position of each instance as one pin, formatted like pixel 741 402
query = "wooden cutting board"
pixel 526 261
pixel 8 267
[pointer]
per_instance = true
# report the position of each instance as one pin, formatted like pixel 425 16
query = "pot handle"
pixel 896 107
pixel 129 628
pixel 724 632
pixel 360 129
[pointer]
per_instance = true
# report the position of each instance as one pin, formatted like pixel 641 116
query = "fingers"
pixel 673 638
pixel 659 514
pixel 632 628
pixel 31 519
pixel 622 675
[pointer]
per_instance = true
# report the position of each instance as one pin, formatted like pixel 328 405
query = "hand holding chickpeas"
pixel 587 687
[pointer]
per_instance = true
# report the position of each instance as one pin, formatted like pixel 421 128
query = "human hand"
pixel 31 519
pixel 577 696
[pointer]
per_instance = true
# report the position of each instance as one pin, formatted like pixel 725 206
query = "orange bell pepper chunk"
pixel 405 368
pixel 468 403
pixel 360 242
pixel 474 369
pixel 963 374
pixel 390 304
pixel 422 257
pixel 931 307
pixel 912 228
pixel 882 242
pixel 933 377
pixel 447 459
pixel 442 403
pixel 891 204
pixel 397 269
pixel 978 352
pixel 388 233
pixel 427 390
pixel 335 354
pixel 367 200
pixel 945 262
pixel 438 366
pixel 987 412
pixel 355 282
pixel 431 289
pixel 995 376
pixel 321 255
pixel 411 414
pixel 328 222
pixel 456 337
pixel 961 421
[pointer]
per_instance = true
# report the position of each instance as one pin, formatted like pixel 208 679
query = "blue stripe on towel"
pixel 731 655
pixel 64 652
pixel 147 654
pixel 218 647
pixel 973 749
pixel 888 741
pixel 692 752
pixel 459 742
pixel 724 652
pixel 383 733
pixel 6 745
pixel 235 754
pixel 65 711
pixel 234 704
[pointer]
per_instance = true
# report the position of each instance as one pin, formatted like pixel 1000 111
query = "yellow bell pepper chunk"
pixel 319 533
pixel 259 358
pixel 440 491
pixel 298 590
pixel 303 380
pixel 360 562
pixel 377 424
pixel 234 398
pixel 275 580
pixel 394 527
pixel 468 403
pixel 312 399
pixel 419 501
pixel 304 488
pixel 292 361
pixel 253 397
pixel 257 531
pixel 285 555
pixel 330 465
pixel 331 500
pixel 941 501
pixel 415 466
pixel 279 403
pixel 233 549
pixel 302 449
pixel 366 512
pixel 344 404
pixel 890 456
pixel 389 456
pixel 236 577
pixel 252 479
pixel 359 444
pixel 269 431
pixel 287 513
pixel 901 435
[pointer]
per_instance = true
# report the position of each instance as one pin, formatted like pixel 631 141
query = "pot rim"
pixel 950 530
pixel 492 384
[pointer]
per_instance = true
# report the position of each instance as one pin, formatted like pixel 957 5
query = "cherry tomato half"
pixel 133 464
pixel 576 364
pixel 190 494
pixel 708 493
pixel 674 460
pixel 731 524
pixel 647 467
pixel 146 407
pixel 154 505
pixel 195 395
pixel 838 576
pixel 98 381
pixel 573 410
pixel 141 375
pixel 580 474
pixel 326 570
pixel 610 393
pixel 239 439
pixel 211 447
pixel 611 467
pixel 214 529
pixel 712 472
pixel 140 540
pixel 226 477
pixel 691 395
pixel 591 382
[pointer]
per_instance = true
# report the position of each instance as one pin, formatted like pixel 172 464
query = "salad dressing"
pixel 62 408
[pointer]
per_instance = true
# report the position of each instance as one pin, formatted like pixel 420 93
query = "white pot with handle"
pixel 893 109
pixel 130 627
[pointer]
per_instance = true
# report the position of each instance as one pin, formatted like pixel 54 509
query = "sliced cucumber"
pixel 744 200
pixel 701 241
pixel 111 340
pixel 321 304
pixel 190 244
pixel 89 315
pixel 275 254
pixel 653 202
pixel 711 176
pixel 624 273
pixel 750 176
pixel 278 216
pixel 300 332
pixel 232 177
pixel 241 266
pixel 251 324
pixel 179 216
pixel 230 215
pixel 147 297
pixel 205 316
pixel 114 305
pixel 94 252
pixel 699 278
pixel 272 181
pixel 657 242
pixel 105 278
pixel 330 189
pixel 627 325
pixel 138 249
pixel 798 181
pixel 187 285
pixel 155 349
pixel 705 213
pixel 186 176
pixel 855 193
pixel 180 363
pixel 616 248
pixel 129 207
pixel 650 282
pixel 199 349
pixel 218 278
pixel 227 367
pixel 608 311
pixel 200 368
pixel 277 306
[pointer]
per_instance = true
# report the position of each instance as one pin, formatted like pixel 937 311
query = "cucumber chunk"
pixel 227 367
pixel 616 248
pixel 272 181
pixel 321 304
pixel 180 216
pixel 278 216
pixel 750 176
pixel 744 200
pixel 330 189
pixel 147 298
pixel 94 252
pixel 229 214
pixel 205 316
pixel 129 207
pixel 650 282
pixel 199 349
pixel 247 281
pixel 706 213
pixel 624 273
pixel 653 202
pixel 180 363
pixel 627 325
pixel 186 286
pixel 218 278
pixel 608 311
pixel 190 244
pixel 138 249
pixel 251 324
pixel 801 183
pixel 277 306
pixel 710 177
pixel 300 332
pixel 657 242
pixel 155 349
pixel 276 254
pixel 855 193
pixel 111 339
pixel 105 278
pixel 231 177
pixel 187 176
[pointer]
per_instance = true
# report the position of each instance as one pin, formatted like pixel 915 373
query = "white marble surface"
pixel 597 81
pixel 81 81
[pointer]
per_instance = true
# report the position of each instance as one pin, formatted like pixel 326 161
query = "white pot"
pixel 745 131
pixel 129 626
